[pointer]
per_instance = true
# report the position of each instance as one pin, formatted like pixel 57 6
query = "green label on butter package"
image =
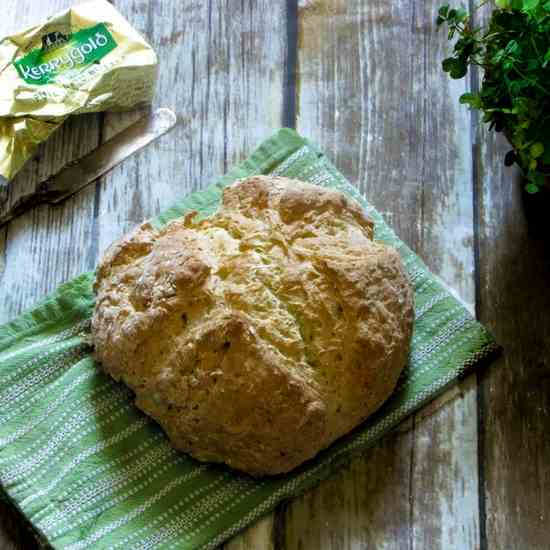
pixel 65 54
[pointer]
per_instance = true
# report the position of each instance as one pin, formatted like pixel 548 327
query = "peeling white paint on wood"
pixel 220 71
pixel 372 93
pixel 259 536
pixel 515 304
pixel 47 245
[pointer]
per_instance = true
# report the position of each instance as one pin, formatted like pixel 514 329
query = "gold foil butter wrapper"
pixel 85 59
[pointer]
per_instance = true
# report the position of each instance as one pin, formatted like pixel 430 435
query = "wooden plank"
pixel 39 250
pixel 48 245
pixel 259 536
pixel 515 393
pixel 365 505
pixel 514 303
pixel 445 463
pixel 220 72
pixel 371 93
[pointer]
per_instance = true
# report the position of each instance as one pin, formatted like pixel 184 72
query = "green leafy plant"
pixel 513 50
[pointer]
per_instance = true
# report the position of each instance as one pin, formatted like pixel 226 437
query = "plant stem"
pixel 498 33
pixel 539 86
pixel 535 46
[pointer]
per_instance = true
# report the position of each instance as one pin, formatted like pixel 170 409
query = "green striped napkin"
pixel 91 471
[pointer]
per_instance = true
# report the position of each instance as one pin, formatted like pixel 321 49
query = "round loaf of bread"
pixel 260 335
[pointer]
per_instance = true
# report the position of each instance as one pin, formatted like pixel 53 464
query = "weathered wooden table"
pixel 363 79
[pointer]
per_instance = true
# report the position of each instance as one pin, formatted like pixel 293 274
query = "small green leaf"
pixel 448 64
pixel 497 58
pixel 529 5
pixel 461 14
pixel 536 150
pixel 531 188
pixel 515 89
pixel 513 48
pixel 439 21
pixel 525 124
pixel 471 99
pixel 459 69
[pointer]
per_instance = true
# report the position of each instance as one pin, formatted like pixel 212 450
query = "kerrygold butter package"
pixel 85 59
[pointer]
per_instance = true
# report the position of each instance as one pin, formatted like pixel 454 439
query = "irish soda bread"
pixel 260 335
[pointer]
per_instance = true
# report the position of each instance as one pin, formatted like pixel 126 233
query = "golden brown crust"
pixel 260 335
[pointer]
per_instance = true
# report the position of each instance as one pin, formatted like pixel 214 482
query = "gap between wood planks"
pixel 290 91
pixel 474 85
pixel 290 100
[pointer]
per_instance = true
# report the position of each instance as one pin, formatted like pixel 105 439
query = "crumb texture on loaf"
pixel 260 335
